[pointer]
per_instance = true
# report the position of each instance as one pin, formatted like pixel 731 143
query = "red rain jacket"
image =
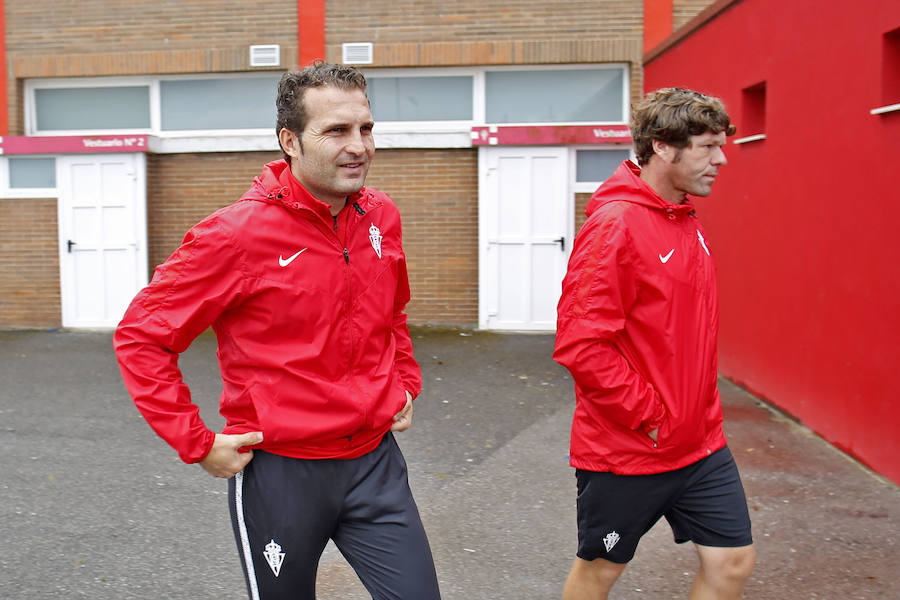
pixel 637 328
pixel 313 345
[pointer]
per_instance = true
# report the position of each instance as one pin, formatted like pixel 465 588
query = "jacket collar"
pixel 625 184
pixel 277 185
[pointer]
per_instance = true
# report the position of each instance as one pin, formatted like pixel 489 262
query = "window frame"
pixel 587 187
pixel 400 127
pixel 88 82
pixel 388 134
pixel 626 88
pixel 156 106
pixel 479 95
pixel 436 125
pixel 9 192
pixel 153 82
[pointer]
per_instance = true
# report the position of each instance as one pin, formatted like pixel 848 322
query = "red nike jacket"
pixel 313 346
pixel 637 328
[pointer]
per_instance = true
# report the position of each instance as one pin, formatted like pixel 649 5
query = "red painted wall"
pixel 657 22
pixel 804 224
pixel 310 31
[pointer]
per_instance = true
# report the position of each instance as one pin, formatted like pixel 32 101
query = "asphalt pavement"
pixel 94 505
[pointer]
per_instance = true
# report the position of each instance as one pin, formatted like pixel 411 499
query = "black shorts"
pixel 703 503
pixel 284 511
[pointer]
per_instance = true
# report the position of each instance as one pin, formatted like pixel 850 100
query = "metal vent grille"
pixel 265 56
pixel 357 53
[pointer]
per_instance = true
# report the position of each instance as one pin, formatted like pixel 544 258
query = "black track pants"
pixel 284 511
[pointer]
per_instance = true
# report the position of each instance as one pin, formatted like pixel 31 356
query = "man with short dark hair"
pixel 304 282
pixel 637 328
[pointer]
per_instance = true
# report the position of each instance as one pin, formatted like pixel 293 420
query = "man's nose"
pixel 719 157
pixel 356 144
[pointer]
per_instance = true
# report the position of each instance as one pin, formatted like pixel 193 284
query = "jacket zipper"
pixel 346 252
pixel 360 212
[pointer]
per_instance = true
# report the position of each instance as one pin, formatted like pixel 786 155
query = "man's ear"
pixel 290 142
pixel 664 151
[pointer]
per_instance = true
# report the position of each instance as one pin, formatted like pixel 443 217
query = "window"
pixel 594 166
pixel 558 95
pixel 433 107
pixel 753 114
pixel 32 173
pixel 161 106
pixel 421 98
pixel 28 177
pixel 754 108
pixel 890 73
pixel 92 108
pixel 555 96
pixel 437 107
pixel 218 104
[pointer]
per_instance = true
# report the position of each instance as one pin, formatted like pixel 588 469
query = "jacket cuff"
pixel 414 387
pixel 197 452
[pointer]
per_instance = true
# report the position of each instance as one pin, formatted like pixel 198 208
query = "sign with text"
pixel 539 135
pixel 72 144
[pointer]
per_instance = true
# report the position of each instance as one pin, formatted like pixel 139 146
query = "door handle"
pixel 562 243
pixel 69 245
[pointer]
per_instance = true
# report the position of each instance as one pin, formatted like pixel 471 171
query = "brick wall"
pixel 111 26
pixel 109 37
pixel 581 201
pixel 184 188
pixel 29 263
pixel 436 191
pixel 414 33
pixel 437 194
pixel 685 10
pixel 398 21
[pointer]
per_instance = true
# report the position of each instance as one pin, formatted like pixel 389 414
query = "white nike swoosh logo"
pixel 665 259
pixel 286 261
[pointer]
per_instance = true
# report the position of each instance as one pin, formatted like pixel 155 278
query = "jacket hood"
pixel 277 185
pixel 626 185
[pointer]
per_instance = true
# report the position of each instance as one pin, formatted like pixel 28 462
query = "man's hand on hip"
pixel 403 419
pixel 224 460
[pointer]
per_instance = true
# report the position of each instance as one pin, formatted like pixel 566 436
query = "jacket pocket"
pixel 662 433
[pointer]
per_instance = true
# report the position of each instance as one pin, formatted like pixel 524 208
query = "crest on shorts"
pixel 610 540
pixel 274 556
pixel 375 238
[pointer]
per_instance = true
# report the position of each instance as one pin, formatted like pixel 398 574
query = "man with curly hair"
pixel 637 328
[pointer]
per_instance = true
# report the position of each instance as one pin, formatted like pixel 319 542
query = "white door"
pixel 102 236
pixel 525 235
